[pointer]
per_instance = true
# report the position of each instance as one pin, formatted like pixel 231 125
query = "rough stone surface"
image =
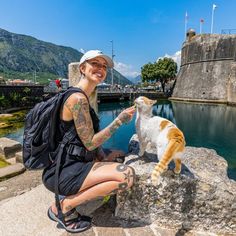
pixel 26 215
pixel 208 69
pixel 20 184
pixel 89 207
pixel 201 198
pixel 31 206
pixel 11 170
pixel 9 147
pixel 73 73
pixel 19 157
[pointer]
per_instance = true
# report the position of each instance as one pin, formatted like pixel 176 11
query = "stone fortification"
pixel 208 69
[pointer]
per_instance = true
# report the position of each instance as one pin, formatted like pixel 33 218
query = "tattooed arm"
pixel 79 107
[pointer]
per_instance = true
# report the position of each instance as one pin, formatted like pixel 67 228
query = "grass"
pixel 3 163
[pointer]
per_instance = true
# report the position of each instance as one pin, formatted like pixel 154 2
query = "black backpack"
pixel 41 126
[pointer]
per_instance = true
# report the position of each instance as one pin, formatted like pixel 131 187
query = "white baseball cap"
pixel 96 53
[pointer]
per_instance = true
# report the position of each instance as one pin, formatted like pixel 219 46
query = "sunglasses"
pixel 97 65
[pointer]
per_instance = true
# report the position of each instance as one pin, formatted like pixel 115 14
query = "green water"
pixel 210 126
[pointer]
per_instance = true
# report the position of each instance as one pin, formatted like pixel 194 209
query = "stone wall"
pixel 208 69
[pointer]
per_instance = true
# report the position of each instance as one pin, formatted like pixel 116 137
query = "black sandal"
pixel 71 221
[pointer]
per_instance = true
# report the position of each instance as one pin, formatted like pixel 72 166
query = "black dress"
pixel 73 168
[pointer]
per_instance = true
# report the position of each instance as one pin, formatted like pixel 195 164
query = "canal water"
pixel 204 125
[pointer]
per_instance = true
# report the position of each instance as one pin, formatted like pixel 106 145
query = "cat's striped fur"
pixel 161 133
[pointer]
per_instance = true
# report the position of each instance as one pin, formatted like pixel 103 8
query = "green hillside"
pixel 21 56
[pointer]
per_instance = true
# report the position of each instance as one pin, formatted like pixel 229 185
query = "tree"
pixel 161 71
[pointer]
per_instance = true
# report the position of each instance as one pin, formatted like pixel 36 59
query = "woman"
pixel 82 180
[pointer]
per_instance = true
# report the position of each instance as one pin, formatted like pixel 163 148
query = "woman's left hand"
pixel 127 115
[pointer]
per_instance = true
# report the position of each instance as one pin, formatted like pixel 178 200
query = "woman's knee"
pixel 128 175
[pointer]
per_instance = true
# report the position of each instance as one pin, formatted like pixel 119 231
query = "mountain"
pixel 22 55
pixel 136 80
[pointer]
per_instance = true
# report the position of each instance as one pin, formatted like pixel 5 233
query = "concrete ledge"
pixel 26 214
pixel 11 170
pixel 9 147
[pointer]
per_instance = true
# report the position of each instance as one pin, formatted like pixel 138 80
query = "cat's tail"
pixel 175 146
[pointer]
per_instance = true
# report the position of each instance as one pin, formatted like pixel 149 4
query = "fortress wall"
pixel 231 88
pixel 208 69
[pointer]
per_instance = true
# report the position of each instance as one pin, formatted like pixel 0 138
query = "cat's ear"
pixel 152 102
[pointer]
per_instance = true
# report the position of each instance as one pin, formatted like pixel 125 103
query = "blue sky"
pixel 142 31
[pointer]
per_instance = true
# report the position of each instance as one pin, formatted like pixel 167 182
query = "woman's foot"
pixel 71 221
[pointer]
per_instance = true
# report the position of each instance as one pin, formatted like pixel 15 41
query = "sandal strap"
pixel 70 212
pixel 71 215
pixel 71 221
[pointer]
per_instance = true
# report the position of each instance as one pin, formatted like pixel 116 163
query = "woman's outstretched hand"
pixel 127 115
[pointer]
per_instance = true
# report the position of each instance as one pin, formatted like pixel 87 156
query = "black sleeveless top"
pixel 64 126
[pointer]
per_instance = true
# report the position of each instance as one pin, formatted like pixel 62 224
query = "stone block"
pixel 19 157
pixel 106 231
pixel 9 147
pixel 140 231
pixel 88 232
pixel 12 160
pixel 73 73
pixel 89 207
pixel 11 170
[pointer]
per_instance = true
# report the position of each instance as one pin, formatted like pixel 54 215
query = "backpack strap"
pixel 72 90
pixel 66 139
pixel 68 136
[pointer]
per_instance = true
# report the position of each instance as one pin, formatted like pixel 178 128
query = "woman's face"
pixel 95 69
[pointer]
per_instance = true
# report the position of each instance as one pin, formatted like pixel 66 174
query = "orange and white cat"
pixel 161 133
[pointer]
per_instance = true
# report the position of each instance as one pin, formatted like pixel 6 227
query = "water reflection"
pixel 210 126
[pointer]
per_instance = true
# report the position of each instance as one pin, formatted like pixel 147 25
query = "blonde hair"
pixel 93 98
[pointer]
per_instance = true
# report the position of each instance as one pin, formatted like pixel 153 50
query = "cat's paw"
pixel 177 172
pixel 155 180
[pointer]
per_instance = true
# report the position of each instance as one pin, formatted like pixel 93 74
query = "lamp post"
pixel 112 72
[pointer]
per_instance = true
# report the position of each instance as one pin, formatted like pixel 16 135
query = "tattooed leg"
pixel 104 179
pixel 100 164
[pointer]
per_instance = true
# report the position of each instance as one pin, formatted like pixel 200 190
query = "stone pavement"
pixel 26 215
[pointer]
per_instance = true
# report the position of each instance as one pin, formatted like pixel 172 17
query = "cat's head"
pixel 144 104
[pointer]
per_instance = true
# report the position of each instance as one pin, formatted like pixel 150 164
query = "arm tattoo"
pixel 102 136
pixel 84 125
pixel 124 117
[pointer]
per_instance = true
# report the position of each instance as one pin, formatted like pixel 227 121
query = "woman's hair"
pixel 93 98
